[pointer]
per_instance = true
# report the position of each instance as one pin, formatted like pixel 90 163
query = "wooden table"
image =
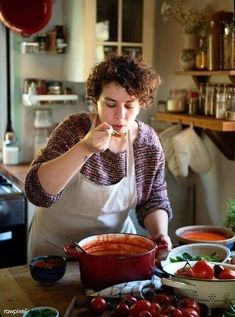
pixel 19 291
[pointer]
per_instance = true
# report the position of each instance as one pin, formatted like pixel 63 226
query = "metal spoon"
pixel 118 134
pixel 78 246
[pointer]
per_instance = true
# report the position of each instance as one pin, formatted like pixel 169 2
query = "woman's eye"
pixel 111 105
pixel 129 106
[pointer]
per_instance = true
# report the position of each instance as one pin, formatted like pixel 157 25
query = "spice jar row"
pixel 217 99
pixel 53 41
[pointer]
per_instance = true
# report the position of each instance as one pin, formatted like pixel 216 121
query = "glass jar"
pixel 60 39
pixel 221 100
pixel 41 136
pixel 209 107
pixel 193 102
pixel 43 118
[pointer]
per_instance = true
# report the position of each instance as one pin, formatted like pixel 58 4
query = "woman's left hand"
pixel 163 241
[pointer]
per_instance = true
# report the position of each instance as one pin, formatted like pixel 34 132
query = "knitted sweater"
pixel 107 168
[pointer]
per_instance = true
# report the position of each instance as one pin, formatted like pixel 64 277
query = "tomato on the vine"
pixel 203 270
pixel 98 305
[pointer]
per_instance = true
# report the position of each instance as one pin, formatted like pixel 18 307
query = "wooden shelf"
pixel 201 76
pixel 206 73
pixel 198 121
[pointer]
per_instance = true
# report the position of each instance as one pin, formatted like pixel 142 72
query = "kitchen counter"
pixel 19 291
pixel 18 172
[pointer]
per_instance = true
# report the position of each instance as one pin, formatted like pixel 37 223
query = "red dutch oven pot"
pixel 25 16
pixel 113 258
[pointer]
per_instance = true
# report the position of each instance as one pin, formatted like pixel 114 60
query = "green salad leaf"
pixel 188 257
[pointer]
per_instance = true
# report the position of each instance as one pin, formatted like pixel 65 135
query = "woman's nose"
pixel 120 112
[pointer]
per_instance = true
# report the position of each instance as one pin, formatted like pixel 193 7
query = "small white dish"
pixel 200 249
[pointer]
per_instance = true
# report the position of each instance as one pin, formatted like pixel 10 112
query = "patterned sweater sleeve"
pixel 150 176
pixel 67 134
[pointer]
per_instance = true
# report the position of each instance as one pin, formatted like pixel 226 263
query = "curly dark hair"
pixel 136 76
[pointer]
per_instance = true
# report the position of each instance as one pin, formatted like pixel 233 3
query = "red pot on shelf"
pixel 25 16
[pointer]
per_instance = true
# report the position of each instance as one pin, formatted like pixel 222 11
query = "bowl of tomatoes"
pixel 211 283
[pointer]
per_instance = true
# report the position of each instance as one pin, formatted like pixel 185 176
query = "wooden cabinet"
pixel 221 132
pixel 96 28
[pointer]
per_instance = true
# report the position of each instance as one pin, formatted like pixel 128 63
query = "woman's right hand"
pixel 98 139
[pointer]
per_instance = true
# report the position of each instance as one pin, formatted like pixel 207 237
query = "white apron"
pixel 85 209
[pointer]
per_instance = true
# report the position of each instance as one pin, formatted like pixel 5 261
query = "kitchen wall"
pixel 39 66
pixel 202 197
pixel 214 188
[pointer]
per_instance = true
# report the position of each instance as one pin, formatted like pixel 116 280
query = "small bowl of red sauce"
pixel 206 234
pixel 47 268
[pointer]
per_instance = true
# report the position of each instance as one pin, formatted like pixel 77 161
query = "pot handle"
pixel 176 284
pixel 71 250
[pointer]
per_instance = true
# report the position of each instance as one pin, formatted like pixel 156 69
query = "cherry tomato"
pixel 98 305
pixel 145 313
pixel 186 272
pixel 154 309
pixel 203 270
pixel 122 309
pixel 161 299
pixel 129 300
pixel 139 306
pixel 189 312
pixel 227 273
pixel 171 311
pixel 189 303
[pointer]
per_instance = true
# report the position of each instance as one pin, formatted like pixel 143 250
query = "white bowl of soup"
pixel 206 234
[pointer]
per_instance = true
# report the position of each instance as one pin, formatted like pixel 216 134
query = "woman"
pixel 97 167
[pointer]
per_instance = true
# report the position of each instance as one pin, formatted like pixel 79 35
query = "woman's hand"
pixel 163 241
pixel 98 139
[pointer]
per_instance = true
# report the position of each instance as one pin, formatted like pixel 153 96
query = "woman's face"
pixel 116 107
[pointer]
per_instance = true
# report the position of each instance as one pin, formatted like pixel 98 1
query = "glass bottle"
pixel 201 54
pixel 227 47
pixel 60 39
pixel 233 47
pixel 213 61
pixel 10 149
